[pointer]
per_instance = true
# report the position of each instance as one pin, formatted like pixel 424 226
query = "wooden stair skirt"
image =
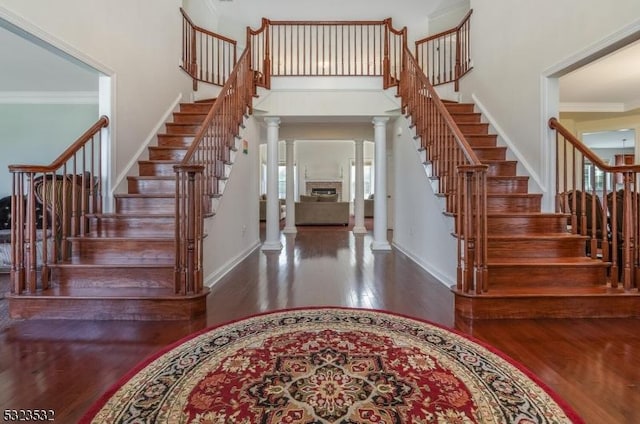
pixel 536 268
pixel 123 268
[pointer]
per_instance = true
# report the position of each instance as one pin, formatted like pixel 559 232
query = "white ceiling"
pixel 26 65
pixel 610 84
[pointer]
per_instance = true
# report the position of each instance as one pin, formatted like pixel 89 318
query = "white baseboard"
pixel 437 274
pixel 213 278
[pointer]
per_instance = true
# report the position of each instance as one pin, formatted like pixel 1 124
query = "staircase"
pixel 536 267
pixel 123 267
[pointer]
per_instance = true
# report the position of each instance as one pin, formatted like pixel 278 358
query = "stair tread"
pixel 145 195
pixel 514 195
pixel 169 148
pixel 565 291
pixel 507 177
pixel 535 261
pixel 94 236
pixel 99 292
pixel 152 177
pixel 121 262
pixel 526 214
pixel 132 264
pixel 160 161
pixel 537 236
pixel 130 215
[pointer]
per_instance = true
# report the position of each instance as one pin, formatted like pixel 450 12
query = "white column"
pixel 272 238
pixel 290 219
pixel 358 204
pixel 380 241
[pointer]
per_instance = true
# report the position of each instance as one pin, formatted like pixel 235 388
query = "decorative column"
pixel 358 203
pixel 290 219
pixel 272 238
pixel 380 241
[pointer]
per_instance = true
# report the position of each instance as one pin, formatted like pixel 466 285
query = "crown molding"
pixel 49 97
pixel 592 107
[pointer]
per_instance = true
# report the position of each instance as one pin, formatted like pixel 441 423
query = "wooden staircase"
pixel 536 267
pixel 123 267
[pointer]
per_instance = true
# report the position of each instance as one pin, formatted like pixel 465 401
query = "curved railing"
pixel 446 57
pixel 461 176
pixel 50 204
pixel 603 203
pixel 206 56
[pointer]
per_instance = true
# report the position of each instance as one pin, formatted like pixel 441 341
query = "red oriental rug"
pixel 329 365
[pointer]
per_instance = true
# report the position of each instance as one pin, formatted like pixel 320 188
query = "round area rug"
pixel 329 365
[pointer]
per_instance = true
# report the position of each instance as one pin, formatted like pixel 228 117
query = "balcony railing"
pixel 336 48
pixel 446 57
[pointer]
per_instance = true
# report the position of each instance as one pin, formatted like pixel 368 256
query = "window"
pixel 368 178
pixel 282 181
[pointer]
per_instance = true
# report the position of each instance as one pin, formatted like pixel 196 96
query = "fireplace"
pixel 323 190
pixel 324 187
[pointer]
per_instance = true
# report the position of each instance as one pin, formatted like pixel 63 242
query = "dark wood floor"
pixel 66 365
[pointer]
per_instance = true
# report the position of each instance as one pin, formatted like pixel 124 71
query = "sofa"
pixel 263 208
pixel 321 209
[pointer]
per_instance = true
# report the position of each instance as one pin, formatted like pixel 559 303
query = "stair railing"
pixel 199 173
pixel 50 205
pixel 446 56
pixel 327 48
pixel 206 56
pixel 460 174
pixel 602 201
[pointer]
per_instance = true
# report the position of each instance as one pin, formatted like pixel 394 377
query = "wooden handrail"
pixel 201 169
pixel 66 190
pixel 446 57
pixel 103 122
pixel 206 55
pixel 460 174
pixel 603 204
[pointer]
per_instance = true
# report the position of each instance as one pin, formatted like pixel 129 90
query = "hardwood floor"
pixel 66 365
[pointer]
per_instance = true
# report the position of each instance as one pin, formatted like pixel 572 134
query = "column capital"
pixel 289 142
pixel 380 120
pixel 359 142
pixel 273 121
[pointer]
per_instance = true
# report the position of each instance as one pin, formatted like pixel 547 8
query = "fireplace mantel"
pixel 324 183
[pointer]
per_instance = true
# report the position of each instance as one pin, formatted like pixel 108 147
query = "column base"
pixel 290 230
pixel 360 230
pixel 380 245
pixel 271 245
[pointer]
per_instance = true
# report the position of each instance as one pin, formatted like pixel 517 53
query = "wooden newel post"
pixel 188 273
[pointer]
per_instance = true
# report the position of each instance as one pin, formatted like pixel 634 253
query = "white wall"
pixel 448 18
pixel 139 41
pixel 234 229
pixel 515 43
pixel 421 230
pixel 35 134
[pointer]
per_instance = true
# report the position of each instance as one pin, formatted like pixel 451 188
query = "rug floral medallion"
pixel 313 366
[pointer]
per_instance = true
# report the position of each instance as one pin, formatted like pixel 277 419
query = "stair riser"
pixel 466 117
pixel 459 107
pixel 516 225
pixel 172 140
pixel 188 118
pixel 105 249
pixel 152 186
pixel 145 205
pixel 195 107
pixel 156 309
pixel 513 204
pixel 157 169
pixel 507 186
pixel 114 277
pixel 473 128
pixel 141 227
pixel 166 154
pixel 502 169
pixel 490 153
pixel 182 128
pixel 545 276
pixel 535 248
pixel 614 306
pixel 481 140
